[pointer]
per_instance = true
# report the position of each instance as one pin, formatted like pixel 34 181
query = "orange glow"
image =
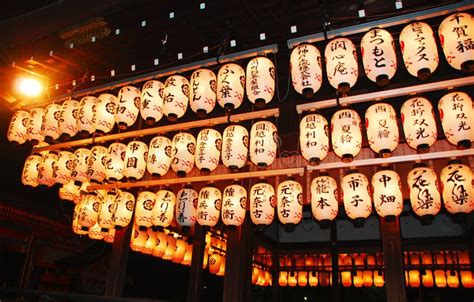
pixel 378 279
pixel 292 279
pixel 466 279
pixel 346 279
pixel 367 278
pixel 453 280
pixel 427 278
pixel 313 278
pixel 302 278
pixel 29 87
pixel 414 278
pixel 283 279
pixel 440 278
pixel 358 280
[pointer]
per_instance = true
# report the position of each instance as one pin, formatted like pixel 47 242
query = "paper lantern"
pixel 260 81
pixel 18 128
pixel 85 120
pixel 382 128
pixel 109 236
pixel 346 278
pixel 262 204
pixel 138 240
pixel 184 147
pixel 95 233
pixel 81 159
pixel 313 279
pixel 150 243
pixel 143 209
pixel 188 255
pixel 456 34
pixel 230 86
pixel 358 279
pixel 159 156
pixel 76 228
pixel 135 160
pixel 467 279
pixel 50 124
pixel 456 184
pixel 283 278
pixel 263 143
pixel 29 176
pixel 419 124
pixel 340 56
pixel 453 279
pixel 69 191
pixel 151 108
pixel 107 212
pixel 202 93
pixel 124 209
pixel 234 204
pixel 414 278
pixel 314 138
pixel 68 120
pixel 46 169
pixel 186 207
pixel 104 116
pixel 440 278
pixel 356 197
pixel 208 150
pixel 292 279
pixel 302 278
pixel 170 247
pixel 306 69
pixel 235 146
pixel 388 197
pixel 456 114
pixel 427 278
pixel 114 161
pixel 378 279
pixel 178 256
pixel 424 195
pixel 346 134
pixel 209 206
pixel 175 97
pixel 205 260
pixel 62 167
pixel 89 212
pixel 163 211
pixel 367 278
pixel 161 242
pixel 290 203
pixel 96 164
pixel 325 279
pixel 324 204
pixel 35 122
pixel 128 106
pixel 215 263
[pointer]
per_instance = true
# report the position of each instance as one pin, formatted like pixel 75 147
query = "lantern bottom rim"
pixel 384 153
pixel 422 148
pixel 423 74
pixel 260 103
pixel 324 224
pixel 186 229
pixel 84 133
pixel 468 66
pixel 359 222
pixel 181 173
pixel 314 161
pixel 344 88
pixel 33 141
pixel 390 218
pixel 65 137
pixel 205 171
pixel 172 117
pixel 201 113
pixel 289 227
pixel 262 165
pixel 308 92
pixel 231 227
pixel 104 230
pixel 347 158
pixel 122 125
pixel 118 227
pixel 142 228
pixel 229 107
pixel 156 174
pixel 150 121
pixel 382 80
pixel 84 228
pixel 464 144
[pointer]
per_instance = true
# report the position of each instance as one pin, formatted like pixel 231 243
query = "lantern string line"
pixel 277 80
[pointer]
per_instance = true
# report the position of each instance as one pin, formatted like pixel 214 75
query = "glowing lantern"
pixel 104 116
pixel 221 271
pixel 262 204
pixel 234 203
pixel 324 204
pixel 302 278
pixel 107 212
pixel 125 202
pixel 255 272
pixel 178 256
pixel 170 247
pixel 346 134
pixel 202 97
pixel 456 184
pixel 419 124
pixel 150 243
pixel 89 212
pixel 151 108
pixel 456 114
pixel 230 86
pixel 263 143
pixel 163 211
pixel 382 128
pixel 175 97
pixel 128 106
pixel 346 278
pixel 34 125
pixel 388 197
pixel 95 233
pixel 68 119
pixel 314 138
pixel 50 125
pixel 69 191
pixel 313 279
pixel 85 120
pixel 440 278
pixel 161 242
pixel 453 279
pixel 456 34
pixel 205 260
pixel 18 128
pixel 215 263
pixel 110 236
pixel 467 279
pixel 46 169
pixel 138 240
pixel 283 278
pixel 186 207
pixel 357 201
pixel 135 160
pixel 76 228
pixel 209 206
pixel 358 279
pixel 367 278
pixel 81 159
pixel 29 176
pixel 424 195
pixel 159 156
pixel 114 161
pixel 341 64
pixel 143 209
pixel 378 279
pixel 325 279
pixel 188 255
pixel 292 280
pixel 260 81
pixel 62 167
pixel 96 164
pixel 235 146
pixel 290 203
pixel 414 278
pixel 208 150
pixel 184 147
pixel 306 70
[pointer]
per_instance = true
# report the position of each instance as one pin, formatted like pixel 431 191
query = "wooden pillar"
pixel 195 274
pixel 118 263
pixel 334 264
pixel 393 259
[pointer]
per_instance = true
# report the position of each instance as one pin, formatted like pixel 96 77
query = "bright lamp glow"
pixel 29 87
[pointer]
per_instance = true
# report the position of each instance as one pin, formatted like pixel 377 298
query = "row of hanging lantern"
pixel 261 276
pixel 365 278
pixel 323 262
pixel 379 59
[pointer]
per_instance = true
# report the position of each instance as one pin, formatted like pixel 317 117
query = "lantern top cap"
pixel 454 161
pixel 420 165
pixel 352 171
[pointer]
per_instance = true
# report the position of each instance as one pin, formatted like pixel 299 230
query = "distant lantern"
pixel 346 278
pixel 230 86
pixel 170 247
pixel 178 256
pixel 341 64
pixel 367 278
pixel 424 195
pixel 419 124
pixel 388 197
pixel 290 203
pixel 456 34
pixel 456 114
pixel 378 56
pixel 209 206
pixel 306 69
pixel 114 161
pixel 215 263
pixel 356 197
pixel 29 176
pixel 382 128
pixel 68 119
pixel 135 160
pixel 50 125
pixel 151 108
pixel 138 240
pixel 260 81
pixel 186 207
pixel 202 92
pixel 324 203
pixel 159 156
pixel 105 108
pixel 314 138
pixel 188 256
pixel 150 242
pixel 124 210
pixel 85 119
pixel 184 147
pixel 358 279
pixel 34 125
pixel 235 146
pixel 346 134
pixel 467 279
pixel 419 49
pixel 107 212
pixel 378 279
pixel 46 169
pixel 234 204
pixel 283 278
pixel 414 278
pixel 302 278
pixel 453 279
pixel 262 204
pixel 69 191
pixel 263 143
pixel 163 211
pixel 161 242
pixel 208 150
pixel 175 97
pixel 313 278
pixel 89 212
pixel 81 159
pixel 143 209
pixel 96 164
pixel 456 184
pixel 440 278
pixel 18 128
pixel 62 167
pixel 292 279
pixel 128 106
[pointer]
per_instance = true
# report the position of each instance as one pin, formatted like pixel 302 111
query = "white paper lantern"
pixel 176 97
pixel 159 156
pixel 456 183
pixel 85 120
pixel 18 128
pixel 170 247
pixel 135 160
pixel 340 56
pixel 46 170
pixel 424 195
pixel 456 114
pixel 178 256
pixel 96 164
pixel 105 108
pixel 234 203
pixel 68 119
pixel 107 212
pixel 114 161
pixel 138 239
pixel 150 243
pixel 143 210
pixel 76 228
pixel 324 203
pixel 456 34
pixel 29 176
pixel 163 211
pixel 208 150
pixel 290 203
pixel 151 109
pixel 388 197
pixel 128 106
pixel 235 146
pixel 202 92
pixel 356 197
pixel 262 203
pixel 419 124
pixel 382 128
pixel 161 242
pixel 186 207
pixel 184 147
pixel 306 69
pixel 81 160
pixel 260 81
pixel 124 209
pixel 209 206
pixel 95 232
pixel 89 212
pixel 69 191
pixel 263 143
pixel 62 167
pixel 230 86
pixel 314 138
pixel 34 126
pixel 50 125
pixel 346 134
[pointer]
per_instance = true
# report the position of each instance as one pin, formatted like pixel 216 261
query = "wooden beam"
pixel 195 273
pixel 118 263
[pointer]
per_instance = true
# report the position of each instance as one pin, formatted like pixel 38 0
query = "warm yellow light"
pixel 29 87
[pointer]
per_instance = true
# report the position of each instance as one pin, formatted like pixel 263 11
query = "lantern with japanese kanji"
pixel 114 161
pixel 138 239
pixel 230 86
pixel 306 69
pixel 456 114
pixel 342 71
pixel 260 81
pixel 202 92
pixel 346 134
pixel 151 106
pixel 234 203
pixel 419 124
pixel 85 119
pixel 263 143
pixel 356 197
pixel 163 211
pixel 175 97
pixel 209 206
pixel 46 169
pixel 424 195
pixel 150 243
pixel 29 176
pixel 35 122
pixel 128 106
pixel 96 164
pixel 235 146
pixel 186 207
pixel 178 256
pixel 143 209
pixel 76 228
pixel 50 124
pixel 215 260
pixel 107 212
pixel 314 138
pixel 68 120
pixel 382 128
pixel 62 167
pixel 135 160
pixel 387 194
pixel 161 242
pixel 262 203
pixel 324 203
pixel 95 233
pixel 104 117
pixel 159 156
pixel 184 147
pixel 170 247
pixel 89 213
pixel 81 159
pixel 290 203
pixel 125 202
pixel 69 191
pixel 456 185
pixel 18 128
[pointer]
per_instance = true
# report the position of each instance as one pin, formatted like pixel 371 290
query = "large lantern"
pixel 68 119
pixel 263 143
pixel 159 156
pixel 378 56
pixel 135 160
pixel 81 160
pixel 456 114
pixel 114 161
pixel 324 203
pixel 306 69
pixel 456 34
pixel 262 203
pixel 290 203
pixel 175 97
pixel 186 207
pixel 234 203
pixel 62 167
pixel 34 126
pixel 230 86
pixel 356 197
pixel 209 206
pixel 456 183
pixel 341 64
pixel 85 120
pixel 208 150
pixel 202 93
pixel 96 164
pixel 382 128
pixel 46 169
pixel 128 106
pixel 419 124
pixel 151 109
pixel 184 147
pixel 143 209
pixel 388 197
pixel 105 108
pixel 107 212
pixel 29 176
pixel 346 134
pixel 50 125
pixel 314 138
pixel 125 202
pixel 260 81
pixel 163 211
pixel 18 128
pixel 235 146
pixel 89 213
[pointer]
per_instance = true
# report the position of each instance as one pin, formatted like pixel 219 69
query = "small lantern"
pixel 150 243
pixel 356 197
pixel 110 236
pixel 260 81
pixel 178 256
pixel 76 228
pixel 440 278
pixel 85 120
pixel 202 97
pixel 135 160
pixel 95 233
pixel 50 125
pixel 184 147
pixel 414 278
pixel 388 197
pixel 346 278
pixel 346 134
pixel 186 207
pixel 151 108
pixel 235 147
pixel 62 167
pixel 325 279
pixel 263 143
pixel 358 279
pixel 382 128
pixel 163 211
pixel 341 64
pixel 208 150
pixel 453 279
pixel 69 191
pixel 424 195
pixel 124 209
pixel 283 278
pixel 29 176
pixel 188 255
pixel 367 278
pixel 138 240
pixel 292 280
pixel 314 138
pixel 313 279
pixel 234 203
pixel 143 209
pixel 128 106
pixel 175 97
pixel 107 212
pixel 81 159
pixel 161 242
pixel 215 263
pixel 419 124
pixel 35 122
pixel 209 206
pixel 378 279
pixel 96 164
pixel 324 203
pixel 456 34
pixel 290 203
pixel 467 279
pixel 230 86
pixel 114 161
pixel 170 247
pixel 159 156
pixel 68 120
pixel 89 212
pixel 456 114
pixel 306 69
pixel 18 128
pixel 302 278
pixel 46 169
pixel 456 184
pixel 262 204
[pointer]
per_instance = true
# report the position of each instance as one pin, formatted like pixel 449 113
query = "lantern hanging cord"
pixel 276 82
